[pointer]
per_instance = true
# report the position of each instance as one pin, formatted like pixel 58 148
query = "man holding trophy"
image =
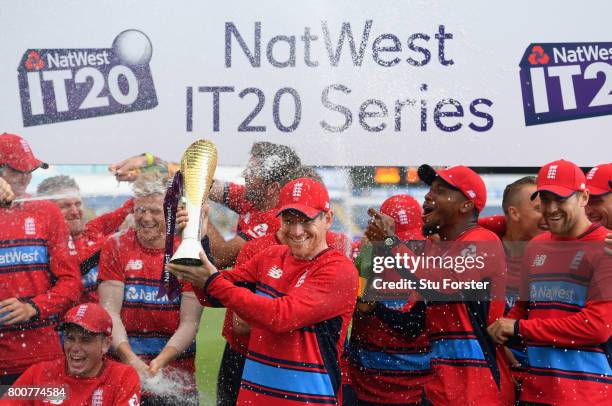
pixel 304 300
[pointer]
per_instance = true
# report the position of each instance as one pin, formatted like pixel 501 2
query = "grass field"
pixel 210 346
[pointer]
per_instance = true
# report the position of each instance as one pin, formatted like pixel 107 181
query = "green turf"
pixel 210 346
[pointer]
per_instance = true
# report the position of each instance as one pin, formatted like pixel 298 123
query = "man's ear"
pixel 107 343
pixel 273 189
pixel 583 198
pixel 328 218
pixel 467 206
pixel 514 214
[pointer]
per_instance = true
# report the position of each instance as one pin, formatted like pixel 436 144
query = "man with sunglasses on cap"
pixel 468 369
pixel 567 322
pixel 84 376
pixel 299 315
pixel 39 280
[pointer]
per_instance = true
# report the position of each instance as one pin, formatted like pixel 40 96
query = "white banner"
pixel 344 82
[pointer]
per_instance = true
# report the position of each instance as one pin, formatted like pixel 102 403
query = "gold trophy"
pixel 197 168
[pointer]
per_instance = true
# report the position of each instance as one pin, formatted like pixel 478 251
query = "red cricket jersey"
pixel 299 318
pixel 252 223
pixel 388 366
pixel 116 385
pixel 567 322
pixel 389 362
pixel 87 247
pixel 35 265
pixel 149 321
pixel 468 368
pixel 240 343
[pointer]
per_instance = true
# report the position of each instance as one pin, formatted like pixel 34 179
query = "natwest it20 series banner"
pixel 344 83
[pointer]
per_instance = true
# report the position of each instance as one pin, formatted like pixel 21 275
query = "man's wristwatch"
pixel 391 241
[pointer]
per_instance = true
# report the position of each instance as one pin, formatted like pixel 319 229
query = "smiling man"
pixel 300 312
pixel 39 280
pixel 84 373
pixel 468 368
pixel 86 239
pixel 149 332
pixel 566 324
pixel 599 183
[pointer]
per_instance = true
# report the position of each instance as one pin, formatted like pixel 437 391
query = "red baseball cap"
pixel 461 177
pixel 406 213
pixel 599 179
pixel 561 177
pixel 90 316
pixel 16 153
pixel 305 195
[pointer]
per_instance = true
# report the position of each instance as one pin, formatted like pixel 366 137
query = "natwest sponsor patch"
pixel 566 81
pixel 58 85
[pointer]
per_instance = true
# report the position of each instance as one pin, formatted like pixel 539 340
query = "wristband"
pixel 516 329
pixel 150 158
pixel 391 241
pixel 29 301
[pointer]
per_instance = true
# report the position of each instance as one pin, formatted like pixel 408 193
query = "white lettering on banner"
pixel 400 77
pixel 581 54
pixel 77 59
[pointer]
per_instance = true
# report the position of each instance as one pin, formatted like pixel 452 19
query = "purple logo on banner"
pixel 566 81
pixel 70 84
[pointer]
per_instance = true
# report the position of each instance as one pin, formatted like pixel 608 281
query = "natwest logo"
pixel 34 61
pixel 61 84
pixel 538 56
pixel 566 81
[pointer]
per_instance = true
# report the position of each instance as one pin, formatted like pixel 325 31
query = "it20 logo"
pixel 566 81
pixel 58 85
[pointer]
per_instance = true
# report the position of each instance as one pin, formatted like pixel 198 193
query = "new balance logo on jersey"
pixel 275 272
pixel 29 225
pixel 247 218
pixel 134 265
pixel 552 172
pixel 539 260
pixel 592 173
pixel 297 190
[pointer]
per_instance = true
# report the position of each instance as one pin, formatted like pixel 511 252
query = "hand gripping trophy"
pixel 197 169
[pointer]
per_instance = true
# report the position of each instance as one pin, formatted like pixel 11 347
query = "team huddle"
pixel 80 310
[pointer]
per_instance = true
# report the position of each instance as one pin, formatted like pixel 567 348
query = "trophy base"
pixel 186 261
pixel 188 253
